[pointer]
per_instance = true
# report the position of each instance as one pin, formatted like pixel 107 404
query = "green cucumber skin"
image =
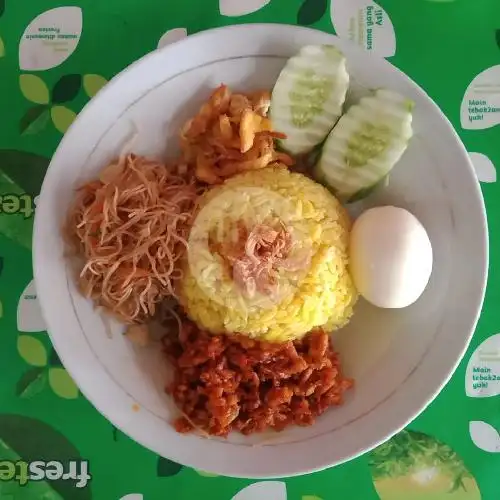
pixel 308 97
pixel 365 145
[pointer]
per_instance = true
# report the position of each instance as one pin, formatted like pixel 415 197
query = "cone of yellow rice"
pixel 268 258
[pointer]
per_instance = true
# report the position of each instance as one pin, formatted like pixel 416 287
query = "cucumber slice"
pixel 366 144
pixel 308 96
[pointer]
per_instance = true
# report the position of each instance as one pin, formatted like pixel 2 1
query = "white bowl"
pixel 401 359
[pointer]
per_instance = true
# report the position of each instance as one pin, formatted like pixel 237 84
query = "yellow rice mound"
pixel 322 294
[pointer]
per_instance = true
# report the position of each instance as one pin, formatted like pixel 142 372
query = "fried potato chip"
pixel 205 171
pixel 231 134
pixel 251 124
pixel 217 104
pixel 238 104
pixel 226 130
pixel 261 101
pixel 228 168
pixel 220 100
pixel 284 159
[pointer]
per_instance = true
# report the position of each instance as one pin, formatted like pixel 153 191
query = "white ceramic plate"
pixel 401 359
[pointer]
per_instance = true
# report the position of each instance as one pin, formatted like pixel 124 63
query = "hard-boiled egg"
pixel 390 257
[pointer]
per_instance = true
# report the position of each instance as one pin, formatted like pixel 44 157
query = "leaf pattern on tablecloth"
pixel 32 350
pixel 21 175
pixel 54 358
pixel 48 367
pixel 233 8
pixel 480 107
pixel 32 382
pixel 167 468
pixel 62 384
pixel 204 473
pixel 49 107
pixel 31 440
pixel 23 170
pixel 34 120
pixel 62 117
pixel 482 376
pixel 34 89
pixel 484 436
pixel 270 490
pixel 366 24
pixel 172 36
pixel 27 490
pixel 66 88
pixel 484 168
pixel 93 83
pixel 29 312
pixel 311 11
pixel 50 38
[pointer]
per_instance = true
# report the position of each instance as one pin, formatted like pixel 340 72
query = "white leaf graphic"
pixel 268 490
pixel 29 314
pixel 172 36
pixel 482 377
pixel 481 105
pixel 484 436
pixel 364 23
pixel 133 496
pixel 485 170
pixel 233 8
pixel 50 39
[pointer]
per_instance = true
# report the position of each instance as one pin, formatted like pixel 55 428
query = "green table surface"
pixel 54 57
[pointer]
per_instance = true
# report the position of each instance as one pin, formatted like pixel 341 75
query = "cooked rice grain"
pixel 324 294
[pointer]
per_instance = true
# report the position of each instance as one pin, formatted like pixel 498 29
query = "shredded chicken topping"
pixel 254 257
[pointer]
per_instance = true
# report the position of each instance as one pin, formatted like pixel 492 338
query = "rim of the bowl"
pixel 401 421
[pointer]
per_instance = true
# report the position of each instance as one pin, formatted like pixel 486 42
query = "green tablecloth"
pixel 53 58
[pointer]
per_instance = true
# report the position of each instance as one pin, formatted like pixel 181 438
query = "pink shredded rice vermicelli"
pixel 130 226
